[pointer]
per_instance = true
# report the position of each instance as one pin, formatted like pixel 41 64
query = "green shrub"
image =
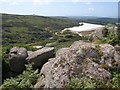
pixel 112 38
pixel 116 80
pixel 83 83
pixel 86 83
pixel 25 80
pixel 68 36
pixel 5 63
pixel 62 40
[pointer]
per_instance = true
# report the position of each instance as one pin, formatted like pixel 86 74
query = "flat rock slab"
pixel 40 57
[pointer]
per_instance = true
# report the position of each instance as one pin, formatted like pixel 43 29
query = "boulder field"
pixel 18 57
pixel 81 59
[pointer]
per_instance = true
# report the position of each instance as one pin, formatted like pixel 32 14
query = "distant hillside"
pixel 27 29
pixel 31 28
pixel 95 20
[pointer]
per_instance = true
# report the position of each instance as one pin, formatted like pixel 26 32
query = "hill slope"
pixel 30 28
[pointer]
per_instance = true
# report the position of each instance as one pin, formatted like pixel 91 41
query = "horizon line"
pixel 59 15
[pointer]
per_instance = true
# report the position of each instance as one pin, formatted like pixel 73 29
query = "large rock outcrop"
pixel 41 56
pixel 80 60
pixel 98 34
pixel 17 58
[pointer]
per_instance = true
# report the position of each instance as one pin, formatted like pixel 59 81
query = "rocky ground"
pixel 80 60
pixel 83 60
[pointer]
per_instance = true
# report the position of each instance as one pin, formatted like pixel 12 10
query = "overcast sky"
pixel 101 8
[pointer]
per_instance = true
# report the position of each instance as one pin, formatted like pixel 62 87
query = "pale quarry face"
pixel 85 27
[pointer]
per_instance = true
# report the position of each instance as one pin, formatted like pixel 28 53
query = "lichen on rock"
pixel 77 61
